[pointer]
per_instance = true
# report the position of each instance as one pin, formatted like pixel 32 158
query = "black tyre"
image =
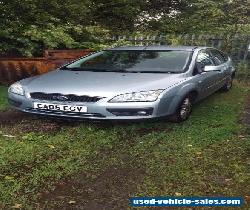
pixel 228 86
pixel 183 111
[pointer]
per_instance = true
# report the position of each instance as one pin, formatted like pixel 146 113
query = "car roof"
pixel 155 47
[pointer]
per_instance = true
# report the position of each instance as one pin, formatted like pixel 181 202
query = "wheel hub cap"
pixel 185 108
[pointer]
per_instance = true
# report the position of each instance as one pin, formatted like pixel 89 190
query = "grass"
pixel 3 98
pixel 204 156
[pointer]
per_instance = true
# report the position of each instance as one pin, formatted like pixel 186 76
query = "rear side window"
pixel 218 57
pixel 204 59
pixel 225 56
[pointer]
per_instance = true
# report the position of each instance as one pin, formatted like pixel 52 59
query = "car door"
pixel 224 69
pixel 207 81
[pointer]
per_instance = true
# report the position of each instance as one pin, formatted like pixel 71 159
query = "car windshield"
pixel 171 61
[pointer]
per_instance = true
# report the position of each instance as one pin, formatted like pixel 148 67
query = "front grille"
pixel 62 97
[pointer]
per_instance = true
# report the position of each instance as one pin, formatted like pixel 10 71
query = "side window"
pixel 218 57
pixel 225 56
pixel 203 59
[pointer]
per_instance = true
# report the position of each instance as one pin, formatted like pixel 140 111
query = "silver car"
pixel 125 83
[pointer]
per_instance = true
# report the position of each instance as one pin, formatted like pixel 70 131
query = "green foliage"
pixel 51 37
pixel 243 71
pixel 28 27
pixel 211 16
pixel 3 98
pixel 118 15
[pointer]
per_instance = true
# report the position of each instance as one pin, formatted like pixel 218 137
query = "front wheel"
pixel 183 111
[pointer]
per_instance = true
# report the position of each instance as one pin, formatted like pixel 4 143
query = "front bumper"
pixel 101 110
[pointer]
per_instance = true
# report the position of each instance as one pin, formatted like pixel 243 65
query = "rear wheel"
pixel 183 111
pixel 228 85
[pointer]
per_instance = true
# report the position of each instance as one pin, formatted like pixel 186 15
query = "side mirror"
pixel 211 68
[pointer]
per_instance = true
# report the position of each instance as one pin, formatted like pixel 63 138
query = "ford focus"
pixel 125 83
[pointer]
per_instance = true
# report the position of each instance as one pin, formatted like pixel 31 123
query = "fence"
pixel 237 46
pixel 14 69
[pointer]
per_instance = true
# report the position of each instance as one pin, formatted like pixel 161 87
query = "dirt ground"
pixel 12 117
pixel 112 187
pixel 18 122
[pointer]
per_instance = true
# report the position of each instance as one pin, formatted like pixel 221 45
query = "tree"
pixel 116 15
pixel 215 16
pixel 28 26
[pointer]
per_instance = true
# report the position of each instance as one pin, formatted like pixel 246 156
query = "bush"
pixel 243 71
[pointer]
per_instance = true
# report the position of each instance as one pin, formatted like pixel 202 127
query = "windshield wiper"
pixel 90 69
pixel 116 70
pixel 160 72
pixel 71 69
pixel 64 68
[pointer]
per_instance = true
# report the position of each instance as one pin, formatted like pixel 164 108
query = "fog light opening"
pixel 131 111
pixel 142 113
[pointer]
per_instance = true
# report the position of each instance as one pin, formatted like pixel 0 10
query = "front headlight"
pixel 17 89
pixel 143 96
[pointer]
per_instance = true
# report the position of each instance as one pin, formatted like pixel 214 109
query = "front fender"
pixel 177 95
pixel 186 89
